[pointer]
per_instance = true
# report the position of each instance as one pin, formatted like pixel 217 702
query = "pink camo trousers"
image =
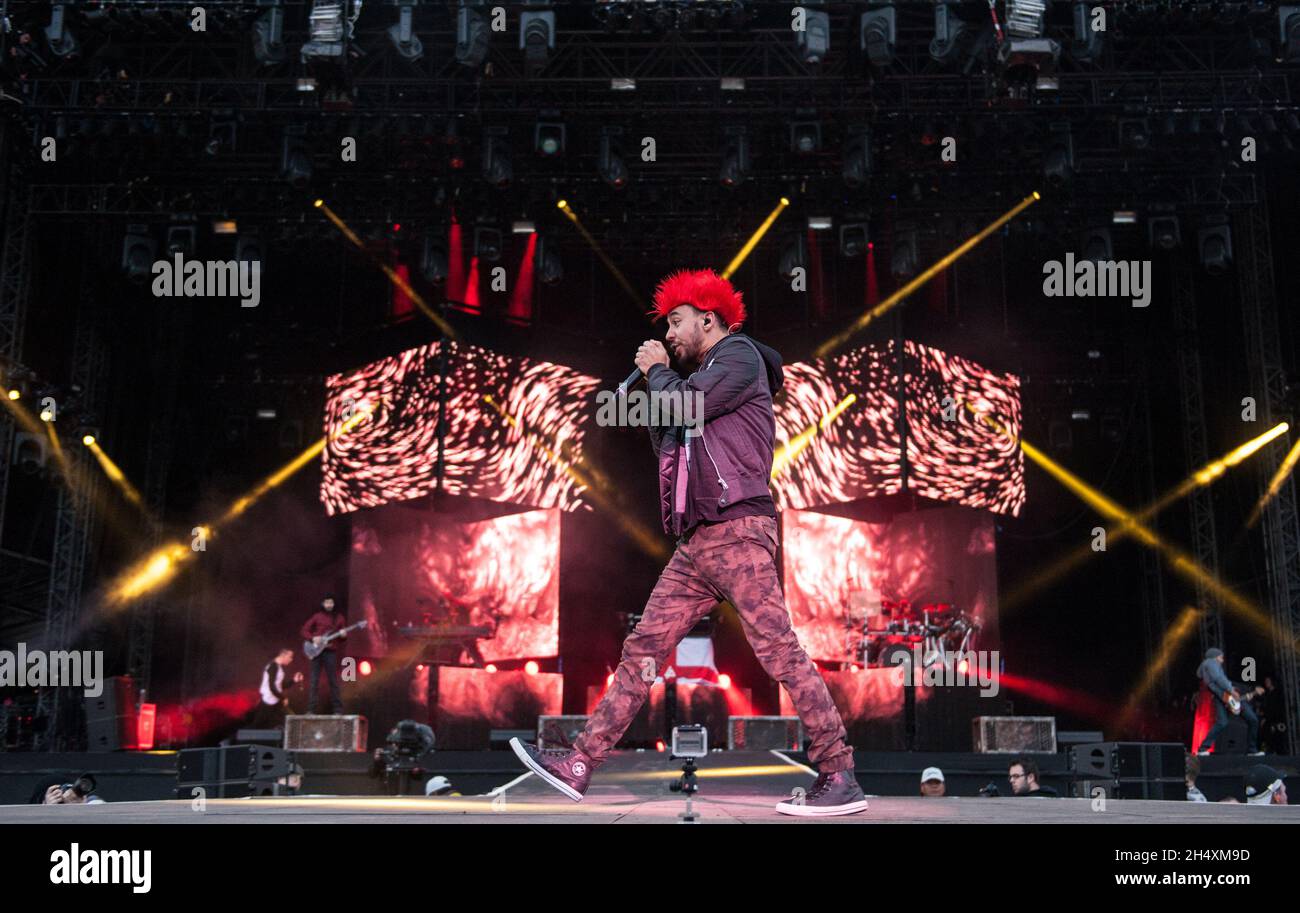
pixel 734 561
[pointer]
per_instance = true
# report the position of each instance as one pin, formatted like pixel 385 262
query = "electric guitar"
pixel 1234 703
pixel 316 646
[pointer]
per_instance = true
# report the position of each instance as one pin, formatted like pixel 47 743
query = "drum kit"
pixel 938 631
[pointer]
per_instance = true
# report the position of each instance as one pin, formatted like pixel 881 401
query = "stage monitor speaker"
pixel 233 771
pixel 111 717
pixel 1129 761
pixel 763 733
pixel 1014 734
pixel 306 732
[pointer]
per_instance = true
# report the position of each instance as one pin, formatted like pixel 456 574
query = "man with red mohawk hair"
pixel 714 497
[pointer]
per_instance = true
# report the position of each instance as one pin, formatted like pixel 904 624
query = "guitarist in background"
pixel 1225 694
pixel 327 620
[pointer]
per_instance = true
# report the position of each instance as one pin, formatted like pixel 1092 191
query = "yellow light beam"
pixel 1179 561
pixel 755 238
pixel 118 477
pixel 1172 641
pixel 161 565
pixel 564 207
pixel 443 326
pixel 943 263
pixel 788 452
pixel 276 478
pixel 1275 484
pixel 593 483
pixel 1203 476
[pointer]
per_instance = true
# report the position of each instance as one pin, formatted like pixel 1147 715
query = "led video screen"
pixel 840 430
pixel 416 567
pixel 839 570
pixel 514 425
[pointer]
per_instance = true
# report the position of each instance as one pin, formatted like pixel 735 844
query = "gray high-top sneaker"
pixel 567 769
pixel 835 793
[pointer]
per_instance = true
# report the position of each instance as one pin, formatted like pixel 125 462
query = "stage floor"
pixel 632 788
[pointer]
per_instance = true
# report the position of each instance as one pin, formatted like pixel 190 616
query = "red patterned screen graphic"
pixel 952 455
pixel 834 567
pixel 392 454
pixel 414 567
pixel 839 432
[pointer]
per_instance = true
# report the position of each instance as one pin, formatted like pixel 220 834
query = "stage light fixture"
pixel 1025 18
pixel 295 160
pixel 523 227
pixel 906 255
pixel 1124 217
pixel 820 223
pixel 548 139
pixel 794 256
pixel 1164 232
pixel 248 249
pixel 268 35
pixel 1288 25
pixel 181 239
pixel 139 251
pixel 805 137
pixel 328 30
pixel 1214 243
pixel 814 40
pixel 58 37
pixel 735 158
pixel 1058 161
pixel 402 32
pixel 433 259
pixel 487 243
pixel 610 164
pixel 878 33
pixel 952 35
pixel 1096 245
pixel 536 36
pixel 853 239
pixel 472 33
pixel 550 270
pixel 497 168
pixel 857 156
pixel 1135 133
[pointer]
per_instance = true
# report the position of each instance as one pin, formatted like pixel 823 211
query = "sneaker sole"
pixel 518 748
pixel 813 811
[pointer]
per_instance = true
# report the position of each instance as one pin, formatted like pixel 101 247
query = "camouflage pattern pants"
pixel 733 561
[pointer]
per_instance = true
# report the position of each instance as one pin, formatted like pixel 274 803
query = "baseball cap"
pixel 931 773
pixel 1261 782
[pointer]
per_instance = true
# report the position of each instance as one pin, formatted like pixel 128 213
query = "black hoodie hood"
pixel 772 361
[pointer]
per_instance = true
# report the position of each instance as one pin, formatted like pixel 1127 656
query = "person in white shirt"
pixel 274 699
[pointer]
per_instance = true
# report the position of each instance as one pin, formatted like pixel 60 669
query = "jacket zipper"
pixel 721 481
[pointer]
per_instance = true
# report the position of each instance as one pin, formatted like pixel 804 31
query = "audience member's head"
pixel 932 784
pixel 1023 774
pixel 1264 786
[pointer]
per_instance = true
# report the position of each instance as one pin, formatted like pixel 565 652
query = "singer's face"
pixel 685 336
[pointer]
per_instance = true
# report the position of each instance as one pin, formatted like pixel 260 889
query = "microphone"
pixel 632 380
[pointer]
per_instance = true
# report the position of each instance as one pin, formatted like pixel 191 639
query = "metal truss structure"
pixel 1280 522
pixel 1200 502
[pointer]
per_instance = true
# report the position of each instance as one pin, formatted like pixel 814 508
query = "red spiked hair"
pixel 703 289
